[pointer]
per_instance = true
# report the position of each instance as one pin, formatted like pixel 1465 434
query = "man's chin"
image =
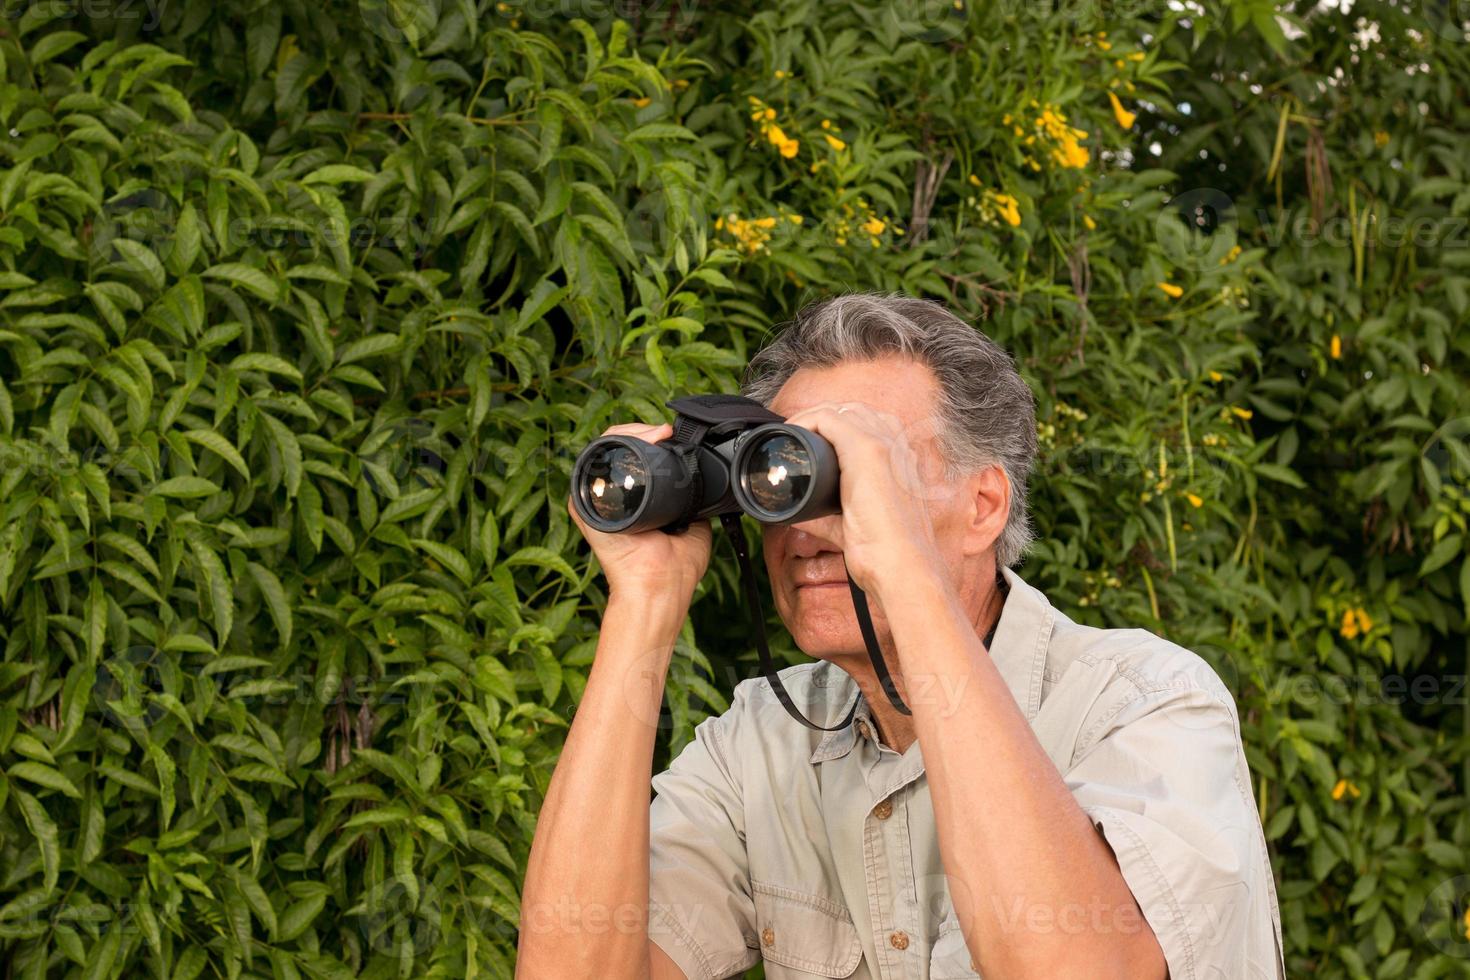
pixel 838 647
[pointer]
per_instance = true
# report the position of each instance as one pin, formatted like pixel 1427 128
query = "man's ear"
pixel 989 493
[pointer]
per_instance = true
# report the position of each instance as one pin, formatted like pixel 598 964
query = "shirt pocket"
pixel 803 935
pixel 950 957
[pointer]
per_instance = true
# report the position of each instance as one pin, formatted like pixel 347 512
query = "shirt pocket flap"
pixel 805 932
pixel 950 958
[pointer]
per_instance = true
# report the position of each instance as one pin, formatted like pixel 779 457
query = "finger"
pixel 847 431
pixel 641 430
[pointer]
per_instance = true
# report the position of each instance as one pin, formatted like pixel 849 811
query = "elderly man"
pixel 1060 801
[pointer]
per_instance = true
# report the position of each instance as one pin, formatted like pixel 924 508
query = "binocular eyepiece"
pixel 728 455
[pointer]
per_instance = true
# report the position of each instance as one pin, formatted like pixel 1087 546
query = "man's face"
pixel 808 575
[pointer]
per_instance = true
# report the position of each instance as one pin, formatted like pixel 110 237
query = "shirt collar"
pixel 1018 652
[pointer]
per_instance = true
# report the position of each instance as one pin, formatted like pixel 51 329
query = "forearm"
pixel 584 910
pixel 1036 888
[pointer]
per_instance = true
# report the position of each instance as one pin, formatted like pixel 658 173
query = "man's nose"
pixel 806 541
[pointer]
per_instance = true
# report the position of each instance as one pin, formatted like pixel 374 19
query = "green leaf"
pixel 299 917
pixel 220 446
pixel 275 600
pixel 266 362
pixel 43 775
pixel 337 173
pixel 446 556
pixel 43 830
pixel 186 486
pixel 250 279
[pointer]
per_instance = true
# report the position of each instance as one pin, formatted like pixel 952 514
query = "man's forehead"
pixel 896 385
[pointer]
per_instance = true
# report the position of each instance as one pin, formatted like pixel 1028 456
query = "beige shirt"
pixel 818 852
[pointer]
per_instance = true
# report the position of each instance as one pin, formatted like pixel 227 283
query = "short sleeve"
pixel 1165 781
pixel 701 911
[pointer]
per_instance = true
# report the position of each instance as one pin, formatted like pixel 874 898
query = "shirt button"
pixel 883 810
pixel 768 936
pixel 899 940
pixel 862 728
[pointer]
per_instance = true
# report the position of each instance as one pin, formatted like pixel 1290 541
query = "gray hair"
pixel 987 413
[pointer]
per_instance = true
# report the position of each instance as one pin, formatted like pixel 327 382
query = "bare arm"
pixel 1037 889
pixel 584 911
pixel 584 905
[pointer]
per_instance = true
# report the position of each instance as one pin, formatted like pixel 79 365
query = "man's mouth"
pixel 801 586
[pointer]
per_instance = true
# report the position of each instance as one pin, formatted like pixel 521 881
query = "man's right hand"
pixel 650 565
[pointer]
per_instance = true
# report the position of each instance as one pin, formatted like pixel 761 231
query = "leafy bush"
pixel 307 308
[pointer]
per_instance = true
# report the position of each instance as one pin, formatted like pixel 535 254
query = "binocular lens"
pixel 616 479
pixel 787 474
pixel 778 472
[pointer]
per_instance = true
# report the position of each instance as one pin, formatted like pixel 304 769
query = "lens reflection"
pixel 616 479
pixel 778 472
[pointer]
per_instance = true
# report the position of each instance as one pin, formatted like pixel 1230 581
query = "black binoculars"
pixel 728 454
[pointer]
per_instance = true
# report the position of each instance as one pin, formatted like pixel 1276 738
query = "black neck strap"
pixel 736 534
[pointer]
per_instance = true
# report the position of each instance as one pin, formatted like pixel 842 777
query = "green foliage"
pixel 307 307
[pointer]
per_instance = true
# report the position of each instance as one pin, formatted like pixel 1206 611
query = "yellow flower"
pixel 766 222
pixel 781 141
pixel 1244 413
pixel 1216 376
pixel 1010 211
pixel 1467 923
pixel 1335 348
pixel 780 73
pixel 874 226
pixel 795 219
pixel 1380 138
pixel 1345 786
pixel 834 142
pixel 1087 220
pixel 770 114
pixel 1124 117
pixel 681 84
pixel 1364 622
pixel 975 180
pixel 643 102
pixel 1105 45
pixel 995 205
pixel 1135 56
pixel 1195 500
pixel 1231 255
pixel 1171 290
